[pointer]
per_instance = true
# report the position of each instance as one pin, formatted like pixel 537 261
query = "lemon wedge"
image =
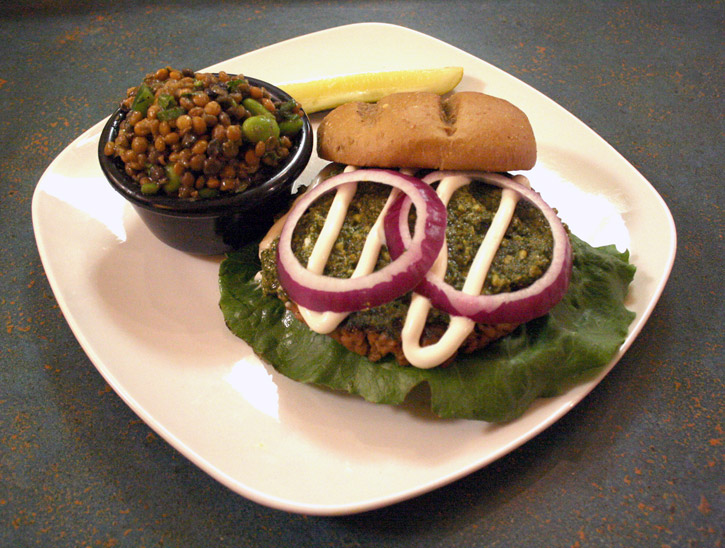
pixel 317 95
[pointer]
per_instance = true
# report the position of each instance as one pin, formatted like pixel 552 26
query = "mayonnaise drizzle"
pixel 460 327
pixel 326 322
pixel 423 357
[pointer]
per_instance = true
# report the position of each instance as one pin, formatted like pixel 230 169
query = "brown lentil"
pixel 200 99
pixel 250 157
pixel 234 133
pixel 199 147
pixel 219 132
pixel 199 125
pixel 183 122
pixel 152 112
pixel 134 118
pixel 212 107
pixel 268 104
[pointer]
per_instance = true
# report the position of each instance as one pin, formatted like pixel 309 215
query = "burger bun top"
pixel 464 131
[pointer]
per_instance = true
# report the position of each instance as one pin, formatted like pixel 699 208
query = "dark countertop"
pixel 638 463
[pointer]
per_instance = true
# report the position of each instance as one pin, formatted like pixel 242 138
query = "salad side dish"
pixel 196 135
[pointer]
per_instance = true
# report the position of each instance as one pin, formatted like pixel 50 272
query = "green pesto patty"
pixel 524 254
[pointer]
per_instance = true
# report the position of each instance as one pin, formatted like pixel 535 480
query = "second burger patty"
pixel 522 258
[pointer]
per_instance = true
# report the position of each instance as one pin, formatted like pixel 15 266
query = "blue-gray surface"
pixel 638 463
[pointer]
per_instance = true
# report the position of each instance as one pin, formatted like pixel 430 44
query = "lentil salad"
pixel 196 135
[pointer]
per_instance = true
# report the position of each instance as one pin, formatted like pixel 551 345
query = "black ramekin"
pixel 211 226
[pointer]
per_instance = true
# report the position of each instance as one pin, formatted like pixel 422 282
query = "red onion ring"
pixel 512 307
pixel 324 293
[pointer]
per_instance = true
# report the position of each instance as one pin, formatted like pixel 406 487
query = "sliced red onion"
pixel 324 293
pixel 511 307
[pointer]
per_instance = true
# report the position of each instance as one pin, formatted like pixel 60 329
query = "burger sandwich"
pixel 419 259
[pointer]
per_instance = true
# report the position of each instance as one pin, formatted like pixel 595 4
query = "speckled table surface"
pixel 638 463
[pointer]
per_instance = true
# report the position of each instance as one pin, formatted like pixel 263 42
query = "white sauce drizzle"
pixel 424 357
pixel 326 322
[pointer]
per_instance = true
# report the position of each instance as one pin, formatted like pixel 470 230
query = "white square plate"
pixel 148 316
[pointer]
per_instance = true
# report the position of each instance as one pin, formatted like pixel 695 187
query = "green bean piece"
pixel 143 100
pixel 287 107
pixel 260 128
pixel 174 182
pixel 291 126
pixel 149 189
pixel 232 85
pixel 170 114
pixel 256 108
pixel 166 101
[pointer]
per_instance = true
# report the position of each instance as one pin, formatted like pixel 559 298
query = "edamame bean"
pixel 208 192
pixel 290 126
pixel 174 181
pixel 260 128
pixel 255 107
pixel 149 188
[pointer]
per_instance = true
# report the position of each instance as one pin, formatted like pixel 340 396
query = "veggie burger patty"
pixel 524 254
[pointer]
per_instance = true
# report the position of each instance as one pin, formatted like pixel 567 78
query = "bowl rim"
pixel 122 183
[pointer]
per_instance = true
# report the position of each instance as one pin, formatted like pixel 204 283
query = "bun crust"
pixel 466 131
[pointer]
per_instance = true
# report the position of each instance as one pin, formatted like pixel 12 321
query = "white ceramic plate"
pixel 148 316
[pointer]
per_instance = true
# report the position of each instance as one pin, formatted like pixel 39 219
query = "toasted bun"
pixel 467 130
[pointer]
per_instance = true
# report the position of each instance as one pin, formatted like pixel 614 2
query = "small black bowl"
pixel 214 225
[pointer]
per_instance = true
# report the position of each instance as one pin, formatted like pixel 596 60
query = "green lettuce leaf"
pixel 544 357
